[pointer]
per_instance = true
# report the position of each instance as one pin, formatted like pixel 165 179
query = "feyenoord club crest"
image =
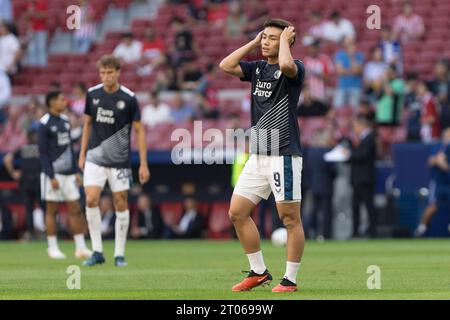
pixel 277 74
pixel 120 105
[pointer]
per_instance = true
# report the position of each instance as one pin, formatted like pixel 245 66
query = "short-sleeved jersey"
pixel 275 129
pixel 55 146
pixel 112 117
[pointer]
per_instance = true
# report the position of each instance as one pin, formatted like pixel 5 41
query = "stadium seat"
pixel 219 226
pixel 171 212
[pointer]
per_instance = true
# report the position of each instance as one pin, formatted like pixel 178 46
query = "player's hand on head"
pixel 258 38
pixel 288 34
pixel 55 184
pixel 144 174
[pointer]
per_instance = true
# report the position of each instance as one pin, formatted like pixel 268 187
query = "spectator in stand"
pixel 189 75
pixel 181 109
pixel 83 37
pixel 190 225
pixel 6 11
pixel 149 224
pixel 165 81
pixel 430 129
pixel 5 93
pixel 108 217
pixel 318 69
pixel 317 28
pixel 198 10
pixel 408 26
pixel 338 29
pixel 153 52
pixel 236 20
pixel 10 50
pixel 33 114
pixel 37 15
pixel 184 46
pixel 78 103
pixel 392 49
pixel 309 106
pixel 413 105
pixel 374 71
pixel 156 111
pixel 389 107
pixel 349 66
pixel 257 14
pixel 209 102
pixel 129 50
pixel 217 13
pixel 440 87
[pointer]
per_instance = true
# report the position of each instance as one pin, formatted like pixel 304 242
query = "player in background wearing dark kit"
pixel 275 163
pixel 111 111
pixel 27 175
pixel 59 179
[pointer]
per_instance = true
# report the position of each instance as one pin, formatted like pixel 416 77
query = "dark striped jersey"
pixel 112 117
pixel 275 97
pixel 55 146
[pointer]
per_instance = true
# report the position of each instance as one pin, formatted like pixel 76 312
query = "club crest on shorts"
pixel 277 74
pixel 121 105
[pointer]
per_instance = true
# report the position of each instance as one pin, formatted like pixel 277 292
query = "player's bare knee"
pixel 290 220
pixel 120 202
pixel 92 201
pixel 236 216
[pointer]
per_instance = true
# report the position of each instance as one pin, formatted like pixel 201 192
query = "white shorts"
pixel 262 175
pixel 118 179
pixel 68 188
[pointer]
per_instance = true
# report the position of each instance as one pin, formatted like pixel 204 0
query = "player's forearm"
pixel 233 59
pixel 85 138
pixel 285 60
pixel 142 145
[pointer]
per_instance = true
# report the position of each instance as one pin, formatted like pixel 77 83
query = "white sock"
pixel 422 228
pixel 94 220
pixel 52 243
pixel 256 261
pixel 122 224
pixel 291 271
pixel 79 241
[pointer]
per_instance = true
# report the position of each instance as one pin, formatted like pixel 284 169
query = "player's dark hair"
pixel 51 96
pixel 280 24
pixel 109 61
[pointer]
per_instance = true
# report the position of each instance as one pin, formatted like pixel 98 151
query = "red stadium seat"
pixel 171 212
pixel 219 226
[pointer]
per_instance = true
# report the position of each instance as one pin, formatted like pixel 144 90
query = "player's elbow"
pixel 288 69
pixel 225 66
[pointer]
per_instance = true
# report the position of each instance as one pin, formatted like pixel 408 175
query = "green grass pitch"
pixel 190 270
